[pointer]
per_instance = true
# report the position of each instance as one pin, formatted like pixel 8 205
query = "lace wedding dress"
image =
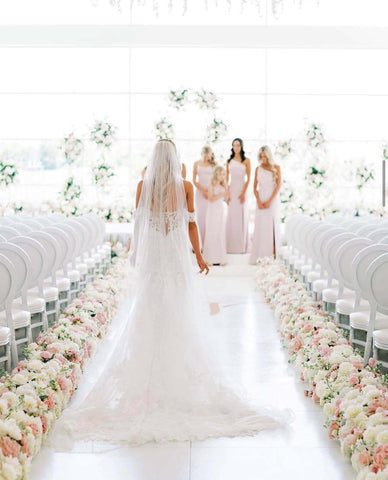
pixel 161 382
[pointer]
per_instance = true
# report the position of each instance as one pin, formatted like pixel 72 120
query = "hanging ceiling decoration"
pixel 275 5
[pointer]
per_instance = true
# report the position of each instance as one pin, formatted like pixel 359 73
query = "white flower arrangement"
pixel 216 130
pixel 72 147
pixel 34 395
pixel 164 129
pixel 354 397
pixel 205 99
pixel 315 176
pixel 284 148
pixel 315 136
pixel 103 134
pixel 71 190
pixel 363 176
pixel 102 173
pixel 179 98
pixel 8 172
pixel 109 211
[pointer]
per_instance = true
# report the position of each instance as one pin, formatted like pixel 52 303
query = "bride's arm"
pixel 193 230
pixel 138 192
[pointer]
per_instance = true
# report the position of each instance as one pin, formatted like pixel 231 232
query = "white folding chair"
pixel 8 231
pixel 21 228
pixel 36 304
pixel 50 290
pixel 326 280
pixel 360 319
pixel 345 257
pixel 62 281
pixel 378 234
pixel 70 270
pixel 377 294
pixel 19 319
pixel 7 274
pixel 331 293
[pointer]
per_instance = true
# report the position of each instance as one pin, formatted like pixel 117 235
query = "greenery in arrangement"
pixel 102 173
pixel 363 176
pixel 72 147
pixel 8 172
pixel 205 100
pixel 103 133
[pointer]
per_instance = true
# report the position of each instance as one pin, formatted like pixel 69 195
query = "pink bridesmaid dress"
pixel 237 219
pixel 204 175
pixel 214 247
pixel 267 220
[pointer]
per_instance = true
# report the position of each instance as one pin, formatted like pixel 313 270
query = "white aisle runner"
pixel 251 350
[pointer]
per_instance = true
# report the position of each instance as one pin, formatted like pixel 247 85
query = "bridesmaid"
pixel 214 247
pixel 202 173
pixel 238 169
pixel 266 239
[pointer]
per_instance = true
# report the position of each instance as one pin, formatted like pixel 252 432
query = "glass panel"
pixel 60 114
pixel 342 117
pixel 222 70
pixel 327 71
pixel 64 69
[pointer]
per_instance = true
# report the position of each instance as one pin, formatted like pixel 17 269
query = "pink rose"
pixel 382 449
pixel 35 429
pixel 378 462
pixel 296 344
pixel 62 383
pixel 333 429
pixel 372 362
pixel 49 401
pixel 25 447
pixel 46 355
pixel 353 379
pixel 363 458
pixel 9 447
pixel 44 423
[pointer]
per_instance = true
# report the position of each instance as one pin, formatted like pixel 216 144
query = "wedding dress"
pixel 161 382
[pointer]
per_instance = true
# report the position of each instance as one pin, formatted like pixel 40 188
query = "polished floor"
pixel 251 351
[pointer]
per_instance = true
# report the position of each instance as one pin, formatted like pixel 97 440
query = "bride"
pixel 162 381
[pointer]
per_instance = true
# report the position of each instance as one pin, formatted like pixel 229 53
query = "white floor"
pixel 253 352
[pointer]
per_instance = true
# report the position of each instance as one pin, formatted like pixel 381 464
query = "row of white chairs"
pixel 344 263
pixel 44 263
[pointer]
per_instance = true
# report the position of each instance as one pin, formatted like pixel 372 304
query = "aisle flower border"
pixel 354 397
pixel 34 395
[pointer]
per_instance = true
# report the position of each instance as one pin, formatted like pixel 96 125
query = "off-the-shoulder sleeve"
pixel 191 216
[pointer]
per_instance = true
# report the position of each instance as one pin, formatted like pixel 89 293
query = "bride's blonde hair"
pixel 267 152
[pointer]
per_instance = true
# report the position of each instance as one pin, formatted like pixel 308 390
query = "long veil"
pixel 160 382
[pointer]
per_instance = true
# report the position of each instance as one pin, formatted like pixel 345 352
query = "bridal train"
pixel 161 382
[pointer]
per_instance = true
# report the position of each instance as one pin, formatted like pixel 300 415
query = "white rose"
pixel 20 378
pixel 11 468
pixel 10 428
pixel 35 365
pixel 352 411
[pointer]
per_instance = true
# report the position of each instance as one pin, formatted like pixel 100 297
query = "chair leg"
pixel 14 351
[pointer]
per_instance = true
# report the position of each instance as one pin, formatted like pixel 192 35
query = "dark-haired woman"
pixel 238 171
